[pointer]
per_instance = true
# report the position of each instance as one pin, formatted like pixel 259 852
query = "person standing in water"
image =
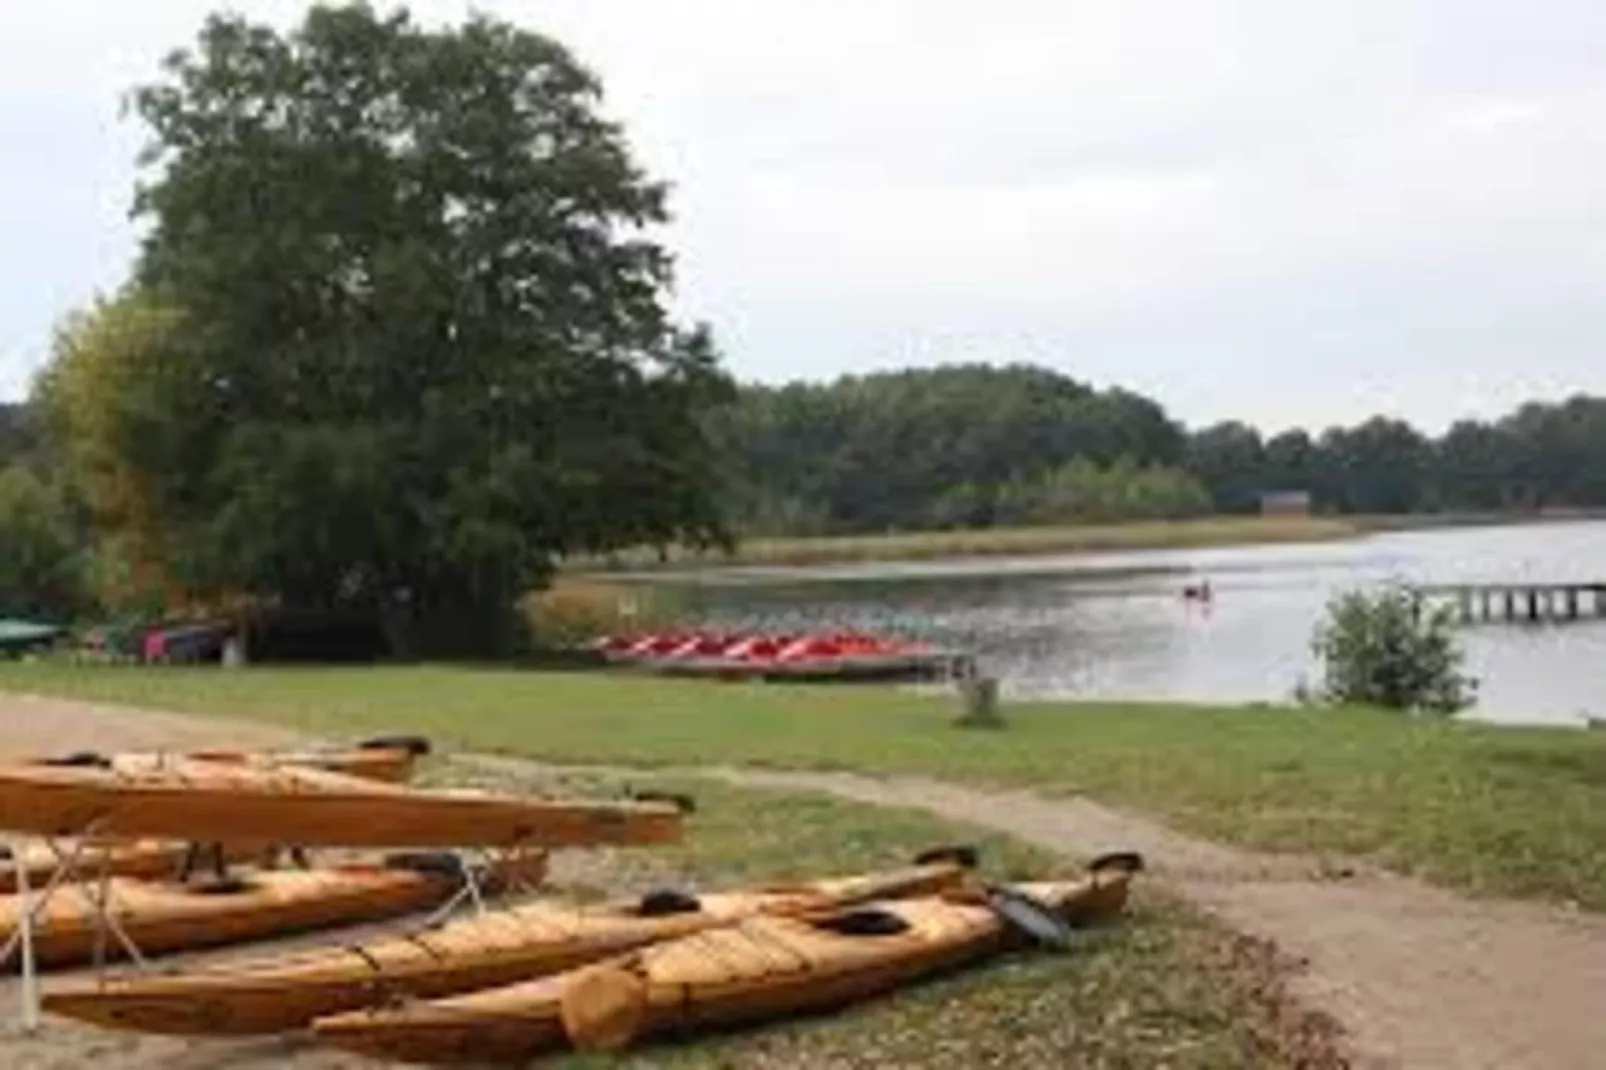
pixel 1200 593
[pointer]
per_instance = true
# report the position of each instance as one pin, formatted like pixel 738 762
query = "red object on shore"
pixel 813 655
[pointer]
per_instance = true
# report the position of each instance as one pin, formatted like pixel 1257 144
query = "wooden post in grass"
pixel 978 697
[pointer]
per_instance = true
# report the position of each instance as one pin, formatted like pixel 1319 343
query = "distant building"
pixel 1285 503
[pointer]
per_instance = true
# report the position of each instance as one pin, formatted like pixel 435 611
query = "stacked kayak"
pixel 763 966
pixel 817 656
pixel 390 759
pixel 245 802
pixel 161 916
pixel 121 858
pixel 124 833
pixel 507 983
pixel 498 948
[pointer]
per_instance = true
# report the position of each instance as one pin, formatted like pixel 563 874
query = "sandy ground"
pixel 31 725
pixel 1416 976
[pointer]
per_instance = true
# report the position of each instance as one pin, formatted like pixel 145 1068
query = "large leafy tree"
pixel 105 403
pixel 1381 466
pixel 1558 452
pixel 1229 459
pixel 40 563
pixel 15 432
pixel 426 348
pixel 1475 467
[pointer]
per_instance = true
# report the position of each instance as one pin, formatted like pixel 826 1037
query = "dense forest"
pixel 980 446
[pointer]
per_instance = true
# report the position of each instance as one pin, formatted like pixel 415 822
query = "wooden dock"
pixel 1531 603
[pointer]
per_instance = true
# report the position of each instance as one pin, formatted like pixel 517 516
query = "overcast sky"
pixel 1289 211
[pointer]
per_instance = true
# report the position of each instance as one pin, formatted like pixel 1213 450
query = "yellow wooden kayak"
pixel 500 947
pixel 198 800
pixel 390 759
pixel 760 967
pixel 150 859
pixel 161 916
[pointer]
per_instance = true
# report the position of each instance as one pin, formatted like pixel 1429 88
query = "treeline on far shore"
pixel 980 446
pixel 977 446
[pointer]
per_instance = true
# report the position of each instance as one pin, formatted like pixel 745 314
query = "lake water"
pixel 1115 625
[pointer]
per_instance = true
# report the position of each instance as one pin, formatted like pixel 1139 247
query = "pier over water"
pixel 1524 603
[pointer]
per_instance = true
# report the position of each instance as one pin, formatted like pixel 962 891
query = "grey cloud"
pixel 1286 211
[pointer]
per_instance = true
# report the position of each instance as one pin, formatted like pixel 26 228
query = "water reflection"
pixel 1115 625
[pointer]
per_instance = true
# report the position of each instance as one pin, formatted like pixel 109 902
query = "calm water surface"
pixel 1115 626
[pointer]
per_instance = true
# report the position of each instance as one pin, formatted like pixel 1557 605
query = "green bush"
pixel 1386 648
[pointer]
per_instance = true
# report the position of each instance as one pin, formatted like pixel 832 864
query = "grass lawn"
pixel 1160 988
pixel 1493 810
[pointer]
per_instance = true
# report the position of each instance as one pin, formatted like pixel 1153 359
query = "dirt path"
pixel 1418 977
pixel 34 724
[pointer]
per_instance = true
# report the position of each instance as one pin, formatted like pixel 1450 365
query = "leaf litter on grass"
pixel 1162 987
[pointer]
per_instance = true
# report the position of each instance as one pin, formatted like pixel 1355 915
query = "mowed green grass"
pixel 1512 811
pixel 1159 987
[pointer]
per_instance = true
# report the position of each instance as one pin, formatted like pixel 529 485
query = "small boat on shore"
pixel 504 946
pixel 151 859
pixel 762 967
pixel 244 803
pixel 390 759
pixel 822 656
pixel 162 916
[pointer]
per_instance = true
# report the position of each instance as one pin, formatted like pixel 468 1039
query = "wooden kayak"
pixel 759 967
pixel 162 916
pixel 123 858
pixel 501 947
pixel 389 758
pixel 245 803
